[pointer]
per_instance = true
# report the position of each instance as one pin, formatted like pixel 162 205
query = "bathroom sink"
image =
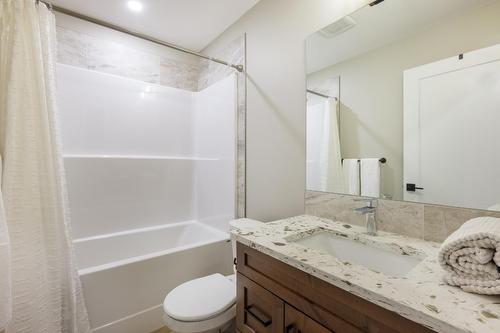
pixel 375 258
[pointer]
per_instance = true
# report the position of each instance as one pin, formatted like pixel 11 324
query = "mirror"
pixel 403 103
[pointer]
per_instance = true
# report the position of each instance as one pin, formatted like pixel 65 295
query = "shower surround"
pixel 160 230
pixel 87 46
pixel 151 173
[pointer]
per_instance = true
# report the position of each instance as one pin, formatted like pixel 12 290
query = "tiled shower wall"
pixel 181 71
pixel 193 74
pixel 424 221
pixel 85 51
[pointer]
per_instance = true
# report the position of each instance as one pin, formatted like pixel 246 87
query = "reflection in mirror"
pixel 414 84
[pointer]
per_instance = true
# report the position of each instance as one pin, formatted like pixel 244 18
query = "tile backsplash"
pixel 424 221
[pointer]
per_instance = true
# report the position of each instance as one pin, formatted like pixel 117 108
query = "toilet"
pixel 206 304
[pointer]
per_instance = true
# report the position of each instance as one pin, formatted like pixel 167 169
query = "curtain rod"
pixel 65 11
pixel 320 94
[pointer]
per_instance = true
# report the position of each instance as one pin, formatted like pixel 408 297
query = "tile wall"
pixel 424 221
pixel 85 51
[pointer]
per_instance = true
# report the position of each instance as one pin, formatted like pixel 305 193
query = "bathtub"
pixel 126 275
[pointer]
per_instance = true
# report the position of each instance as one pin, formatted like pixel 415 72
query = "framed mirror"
pixel 403 103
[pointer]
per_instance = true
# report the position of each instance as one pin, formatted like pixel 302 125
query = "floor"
pixel 162 330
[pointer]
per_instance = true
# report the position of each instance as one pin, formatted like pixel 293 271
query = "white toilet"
pixel 207 304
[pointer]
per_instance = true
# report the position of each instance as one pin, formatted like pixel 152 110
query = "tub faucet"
pixel 369 212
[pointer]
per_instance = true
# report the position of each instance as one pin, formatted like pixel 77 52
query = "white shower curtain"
pixel 332 176
pixel 46 291
pixel 5 282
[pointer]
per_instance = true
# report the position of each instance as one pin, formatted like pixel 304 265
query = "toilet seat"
pixel 201 304
pixel 200 299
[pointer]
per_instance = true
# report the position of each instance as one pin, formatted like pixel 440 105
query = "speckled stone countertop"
pixel 420 296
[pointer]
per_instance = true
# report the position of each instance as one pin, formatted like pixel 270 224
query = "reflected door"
pixel 452 131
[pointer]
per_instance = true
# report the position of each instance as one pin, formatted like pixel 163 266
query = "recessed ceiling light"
pixel 134 5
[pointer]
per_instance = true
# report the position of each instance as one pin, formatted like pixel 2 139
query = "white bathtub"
pixel 126 275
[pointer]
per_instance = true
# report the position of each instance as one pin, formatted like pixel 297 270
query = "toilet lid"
pixel 201 298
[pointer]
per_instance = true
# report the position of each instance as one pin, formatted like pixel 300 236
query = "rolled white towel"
pixel 471 256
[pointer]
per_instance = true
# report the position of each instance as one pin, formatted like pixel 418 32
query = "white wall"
pixel 276 101
pixel 140 154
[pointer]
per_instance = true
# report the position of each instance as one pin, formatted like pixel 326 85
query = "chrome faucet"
pixel 369 213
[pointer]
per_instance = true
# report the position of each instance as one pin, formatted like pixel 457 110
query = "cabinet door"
pixel 297 322
pixel 257 310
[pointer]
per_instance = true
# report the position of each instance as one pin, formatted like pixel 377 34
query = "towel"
pixel 351 176
pixel 370 177
pixel 471 256
pixel 5 290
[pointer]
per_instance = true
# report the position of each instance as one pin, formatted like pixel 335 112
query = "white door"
pixel 452 130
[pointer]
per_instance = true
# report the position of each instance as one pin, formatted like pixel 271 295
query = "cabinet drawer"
pixel 257 310
pixel 297 322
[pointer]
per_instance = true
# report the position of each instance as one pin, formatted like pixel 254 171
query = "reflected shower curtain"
pixel 46 291
pixel 332 176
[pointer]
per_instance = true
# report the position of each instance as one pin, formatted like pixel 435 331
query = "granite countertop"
pixel 420 296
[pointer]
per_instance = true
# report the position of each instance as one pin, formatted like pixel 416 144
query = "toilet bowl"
pixel 206 304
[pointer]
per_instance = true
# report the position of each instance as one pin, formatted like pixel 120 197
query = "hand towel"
pixel 351 174
pixel 5 290
pixel 471 256
pixel 370 177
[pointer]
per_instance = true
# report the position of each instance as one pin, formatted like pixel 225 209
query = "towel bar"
pixel 383 160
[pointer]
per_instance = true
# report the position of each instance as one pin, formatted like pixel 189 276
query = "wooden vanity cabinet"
pixel 275 297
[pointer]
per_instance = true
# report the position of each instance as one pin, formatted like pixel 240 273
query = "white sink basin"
pixel 381 260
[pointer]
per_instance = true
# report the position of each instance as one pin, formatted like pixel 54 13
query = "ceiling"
pixel 189 23
pixel 386 23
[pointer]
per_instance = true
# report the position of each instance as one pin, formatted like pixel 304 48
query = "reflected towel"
pixel 351 176
pixel 370 177
pixel 471 256
pixel 5 286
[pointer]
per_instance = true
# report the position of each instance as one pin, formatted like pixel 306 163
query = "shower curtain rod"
pixel 65 11
pixel 320 94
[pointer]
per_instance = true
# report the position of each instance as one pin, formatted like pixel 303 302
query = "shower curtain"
pixel 46 291
pixel 331 174
pixel 5 282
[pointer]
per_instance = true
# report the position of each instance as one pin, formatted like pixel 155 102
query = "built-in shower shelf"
pixel 139 157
